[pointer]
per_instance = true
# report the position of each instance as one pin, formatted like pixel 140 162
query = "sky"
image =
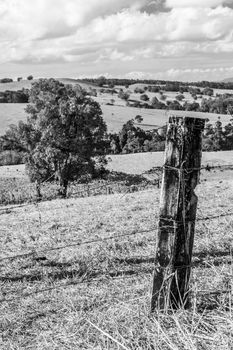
pixel 188 40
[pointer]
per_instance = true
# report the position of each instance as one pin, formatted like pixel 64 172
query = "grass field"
pixel 11 113
pixel 114 116
pixel 97 295
pixel 26 84
pixel 76 273
pixel 16 85
pixel 136 163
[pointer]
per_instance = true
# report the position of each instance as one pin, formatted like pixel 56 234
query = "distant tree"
pixel 19 96
pixel 138 118
pixel 111 84
pixel 63 132
pixel 139 90
pixel 194 96
pixel 30 77
pixel 208 91
pixel 163 97
pixel 124 95
pixel 19 78
pixel 154 101
pixel 154 88
pixel 101 81
pixel 191 106
pixel 144 97
pixel 6 80
pixel 180 97
pixel 174 105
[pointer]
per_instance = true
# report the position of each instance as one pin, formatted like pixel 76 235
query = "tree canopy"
pixel 63 132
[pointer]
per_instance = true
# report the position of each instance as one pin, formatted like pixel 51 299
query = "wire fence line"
pixel 89 190
pixel 99 240
pixel 75 244
pixel 93 189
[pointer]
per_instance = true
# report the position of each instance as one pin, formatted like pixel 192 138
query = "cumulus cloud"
pixel 124 31
pixel 178 25
pixel 55 18
pixel 197 3
pixel 188 74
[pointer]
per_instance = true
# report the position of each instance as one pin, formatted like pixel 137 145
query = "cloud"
pixel 123 33
pixel 197 3
pixel 188 74
pixel 177 25
pixel 55 18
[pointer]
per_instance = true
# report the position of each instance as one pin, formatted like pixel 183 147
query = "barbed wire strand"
pixel 160 168
pixel 79 243
pixel 74 244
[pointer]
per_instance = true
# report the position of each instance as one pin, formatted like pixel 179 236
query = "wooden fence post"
pixel 178 205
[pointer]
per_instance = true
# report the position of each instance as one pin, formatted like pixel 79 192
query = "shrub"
pixel 6 80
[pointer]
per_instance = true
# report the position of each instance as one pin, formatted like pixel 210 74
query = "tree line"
pixel 133 139
pixel 171 85
pixel 19 96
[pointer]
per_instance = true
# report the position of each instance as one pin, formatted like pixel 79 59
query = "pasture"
pixel 136 163
pixel 69 295
pixel 11 113
pixel 16 85
pixel 114 116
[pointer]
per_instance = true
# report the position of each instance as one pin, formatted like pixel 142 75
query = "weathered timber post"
pixel 178 205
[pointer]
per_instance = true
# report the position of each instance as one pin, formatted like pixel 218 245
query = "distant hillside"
pixel 26 84
pixel 228 80
pixel 16 85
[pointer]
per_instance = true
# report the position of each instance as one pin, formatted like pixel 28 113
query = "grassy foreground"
pixel 97 295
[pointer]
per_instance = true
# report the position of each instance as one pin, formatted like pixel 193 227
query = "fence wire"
pixel 97 240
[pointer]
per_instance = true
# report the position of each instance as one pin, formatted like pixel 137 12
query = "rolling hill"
pixel 228 80
pixel 114 116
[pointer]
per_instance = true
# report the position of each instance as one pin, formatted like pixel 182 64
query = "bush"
pixel 179 97
pixel 144 97
pixel 30 77
pixel 11 158
pixel 6 80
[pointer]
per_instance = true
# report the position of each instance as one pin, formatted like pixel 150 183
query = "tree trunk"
pixel 38 190
pixel 63 187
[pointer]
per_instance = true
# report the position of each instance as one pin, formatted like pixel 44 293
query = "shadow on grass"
pixel 70 274
pixel 64 270
pixel 199 259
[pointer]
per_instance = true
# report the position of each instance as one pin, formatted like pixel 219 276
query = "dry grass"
pixel 100 293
